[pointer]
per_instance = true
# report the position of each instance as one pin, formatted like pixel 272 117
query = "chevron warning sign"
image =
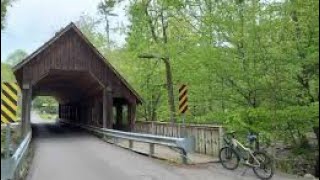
pixel 9 102
pixel 183 99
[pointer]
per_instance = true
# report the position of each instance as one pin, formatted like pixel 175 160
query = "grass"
pixel 15 139
pixel 26 165
pixel 47 116
pixel 21 174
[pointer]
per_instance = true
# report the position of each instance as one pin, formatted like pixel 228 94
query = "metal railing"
pixel 10 166
pixel 185 145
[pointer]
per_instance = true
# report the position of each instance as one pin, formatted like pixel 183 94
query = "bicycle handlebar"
pixel 230 133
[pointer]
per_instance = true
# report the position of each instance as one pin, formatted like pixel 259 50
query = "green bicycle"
pixel 234 152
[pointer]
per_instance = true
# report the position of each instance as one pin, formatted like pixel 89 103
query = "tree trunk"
pixel 316 131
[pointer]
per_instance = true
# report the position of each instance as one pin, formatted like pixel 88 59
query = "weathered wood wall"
pixel 208 138
pixel 71 53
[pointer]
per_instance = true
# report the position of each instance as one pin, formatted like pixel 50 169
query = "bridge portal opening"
pixel 44 109
pixel 86 86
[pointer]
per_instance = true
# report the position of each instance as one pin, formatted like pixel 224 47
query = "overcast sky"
pixel 30 23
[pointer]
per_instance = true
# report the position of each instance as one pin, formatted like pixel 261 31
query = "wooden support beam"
pixel 107 108
pixel 110 110
pixel 59 111
pixel 26 109
pixel 119 108
pixel 104 108
pixel 131 115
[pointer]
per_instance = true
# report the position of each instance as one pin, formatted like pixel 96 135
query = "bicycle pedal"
pixel 244 172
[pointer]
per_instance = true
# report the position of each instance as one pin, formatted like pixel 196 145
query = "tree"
pixel 105 8
pixel 250 65
pixel 4 8
pixel 16 57
pixel 88 26
pixel 6 73
pixel 46 104
pixel 155 18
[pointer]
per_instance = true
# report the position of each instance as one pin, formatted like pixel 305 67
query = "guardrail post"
pixel 184 156
pixel 115 140
pixel 151 149
pixel 152 128
pixel 130 144
pixel 8 141
pixel 184 133
pixel 220 137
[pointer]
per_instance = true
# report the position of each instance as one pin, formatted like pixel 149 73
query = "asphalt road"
pixel 64 153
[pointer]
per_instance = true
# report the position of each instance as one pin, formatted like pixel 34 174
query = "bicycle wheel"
pixel 229 158
pixel 266 170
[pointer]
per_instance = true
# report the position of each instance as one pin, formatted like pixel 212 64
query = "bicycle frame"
pixel 236 144
pixel 246 156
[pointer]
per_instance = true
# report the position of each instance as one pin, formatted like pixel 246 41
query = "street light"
pixel 169 81
pixel 151 56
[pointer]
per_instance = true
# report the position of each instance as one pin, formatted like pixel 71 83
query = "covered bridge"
pixel 89 90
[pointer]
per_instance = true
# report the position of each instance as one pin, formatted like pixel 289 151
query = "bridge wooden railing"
pixel 208 138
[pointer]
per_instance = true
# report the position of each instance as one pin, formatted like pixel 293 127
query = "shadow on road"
pixel 73 153
pixel 55 130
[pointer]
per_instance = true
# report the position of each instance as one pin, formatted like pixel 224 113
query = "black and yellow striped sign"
pixel 9 102
pixel 183 99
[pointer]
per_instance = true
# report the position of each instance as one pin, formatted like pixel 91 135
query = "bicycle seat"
pixel 252 138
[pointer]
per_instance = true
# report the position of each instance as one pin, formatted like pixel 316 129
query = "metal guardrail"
pixel 10 166
pixel 185 145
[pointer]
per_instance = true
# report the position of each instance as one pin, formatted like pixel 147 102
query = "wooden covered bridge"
pixel 89 90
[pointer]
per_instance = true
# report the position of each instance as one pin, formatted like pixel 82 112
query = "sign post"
pixel 183 106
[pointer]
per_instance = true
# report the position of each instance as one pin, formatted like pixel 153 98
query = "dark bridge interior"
pixel 89 90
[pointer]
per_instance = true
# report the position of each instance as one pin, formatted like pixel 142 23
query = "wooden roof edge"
pixel 125 82
pixel 101 57
pixel 41 48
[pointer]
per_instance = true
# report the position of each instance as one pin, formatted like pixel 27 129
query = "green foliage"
pixel 47 116
pixel 106 6
pixel 16 57
pixel 250 65
pixel 6 73
pixel 12 59
pixel 15 139
pixel 88 26
pixel 4 8
pixel 45 105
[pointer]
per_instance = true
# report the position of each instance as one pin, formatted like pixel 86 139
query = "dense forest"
pixel 251 65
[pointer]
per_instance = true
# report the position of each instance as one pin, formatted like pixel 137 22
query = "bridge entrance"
pixel 89 90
